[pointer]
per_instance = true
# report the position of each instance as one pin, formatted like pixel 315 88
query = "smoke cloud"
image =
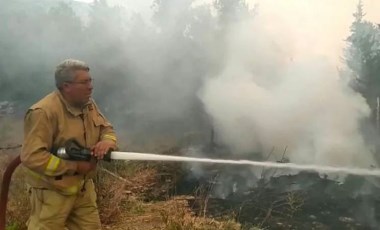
pixel 265 99
pixel 180 67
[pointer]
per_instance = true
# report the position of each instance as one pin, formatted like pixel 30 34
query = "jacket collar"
pixel 75 111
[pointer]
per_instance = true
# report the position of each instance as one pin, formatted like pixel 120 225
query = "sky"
pixel 318 26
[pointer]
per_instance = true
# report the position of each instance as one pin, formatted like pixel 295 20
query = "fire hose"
pixel 5 188
pixel 73 151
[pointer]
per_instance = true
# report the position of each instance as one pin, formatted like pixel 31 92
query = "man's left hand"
pixel 102 147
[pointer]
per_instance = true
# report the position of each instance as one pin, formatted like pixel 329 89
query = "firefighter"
pixel 62 192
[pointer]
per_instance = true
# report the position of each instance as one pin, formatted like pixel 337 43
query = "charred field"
pixel 279 200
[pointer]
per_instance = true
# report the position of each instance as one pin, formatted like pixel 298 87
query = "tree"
pixel 231 11
pixel 363 58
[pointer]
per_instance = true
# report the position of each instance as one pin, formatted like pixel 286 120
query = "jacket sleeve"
pixel 38 142
pixel 107 131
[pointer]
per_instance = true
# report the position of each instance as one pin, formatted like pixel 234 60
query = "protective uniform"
pixel 59 195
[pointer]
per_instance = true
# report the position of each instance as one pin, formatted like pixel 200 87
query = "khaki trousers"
pixel 53 211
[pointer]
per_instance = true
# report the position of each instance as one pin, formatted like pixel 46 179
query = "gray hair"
pixel 65 71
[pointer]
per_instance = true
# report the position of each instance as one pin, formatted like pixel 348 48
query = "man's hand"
pixel 85 167
pixel 102 147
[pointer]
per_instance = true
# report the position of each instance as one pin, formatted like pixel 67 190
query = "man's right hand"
pixel 85 167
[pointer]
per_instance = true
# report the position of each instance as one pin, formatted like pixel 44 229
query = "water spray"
pixel 264 164
pixel 73 151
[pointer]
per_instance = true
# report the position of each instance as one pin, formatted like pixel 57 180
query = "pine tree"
pixel 363 57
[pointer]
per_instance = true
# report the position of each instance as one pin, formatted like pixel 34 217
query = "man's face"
pixel 79 90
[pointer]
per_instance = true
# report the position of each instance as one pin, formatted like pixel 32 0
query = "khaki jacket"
pixel 48 124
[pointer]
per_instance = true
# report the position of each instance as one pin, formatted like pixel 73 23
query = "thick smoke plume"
pixel 256 73
pixel 263 99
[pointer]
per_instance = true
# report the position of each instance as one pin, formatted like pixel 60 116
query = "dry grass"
pixel 178 216
pixel 173 214
pixel 121 186
pixel 115 191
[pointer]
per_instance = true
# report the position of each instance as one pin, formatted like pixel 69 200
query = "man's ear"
pixel 65 86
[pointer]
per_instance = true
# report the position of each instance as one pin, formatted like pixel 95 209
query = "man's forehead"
pixel 82 74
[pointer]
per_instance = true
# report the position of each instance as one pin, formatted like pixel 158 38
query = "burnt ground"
pixel 302 201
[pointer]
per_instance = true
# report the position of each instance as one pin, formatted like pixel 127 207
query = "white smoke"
pixel 264 98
